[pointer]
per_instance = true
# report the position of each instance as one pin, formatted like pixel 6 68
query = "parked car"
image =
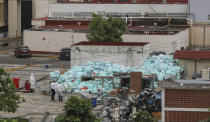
pixel 22 51
pixel 65 53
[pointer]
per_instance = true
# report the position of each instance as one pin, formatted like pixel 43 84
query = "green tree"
pixel 13 120
pixel 102 30
pixel 77 110
pixel 8 99
pixel 142 116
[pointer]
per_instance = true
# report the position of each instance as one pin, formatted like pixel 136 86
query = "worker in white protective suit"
pixel 32 81
pixel 60 90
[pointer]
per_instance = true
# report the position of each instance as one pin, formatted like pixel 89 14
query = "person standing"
pixel 52 86
pixel 60 89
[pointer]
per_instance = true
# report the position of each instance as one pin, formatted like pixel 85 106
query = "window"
pixel 208 17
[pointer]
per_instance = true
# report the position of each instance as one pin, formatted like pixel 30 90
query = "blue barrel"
pixel 94 100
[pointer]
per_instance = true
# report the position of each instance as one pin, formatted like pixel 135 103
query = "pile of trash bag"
pixel 72 79
pixel 164 66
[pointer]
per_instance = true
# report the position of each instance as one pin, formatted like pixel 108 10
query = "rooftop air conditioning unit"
pixel 206 74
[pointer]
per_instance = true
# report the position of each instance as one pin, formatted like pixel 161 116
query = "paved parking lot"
pixel 36 103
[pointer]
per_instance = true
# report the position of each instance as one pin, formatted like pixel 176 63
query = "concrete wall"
pixel 3 13
pixel 165 43
pixel 37 23
pixel 190 66
pixel 201 35
pixel 123 8
pixel 54 41
pixel 14 18
pixel 200 9
pixel 40 8
pixel 116 54
pixel 50 41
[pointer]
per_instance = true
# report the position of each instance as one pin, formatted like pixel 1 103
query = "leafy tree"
pixel 142 116
pixel 8 99
pixel 13 120
pixel 77 110
pixel 102 30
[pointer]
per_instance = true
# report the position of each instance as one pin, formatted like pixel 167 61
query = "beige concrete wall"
pixel 37 23
pixel 50 41
pixel 40 8
pixel 56 40
pixel 165 43
pixel 115 54
pixel 3 13
pixel 190 66
pixel 198 36
pixel 14 18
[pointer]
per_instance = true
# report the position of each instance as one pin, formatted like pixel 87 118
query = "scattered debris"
pixel 121 109
pixel 147 100
pixel 111 86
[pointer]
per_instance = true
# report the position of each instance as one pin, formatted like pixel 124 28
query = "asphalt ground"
pixel 7 56
pixel 11 59
pixel 36 103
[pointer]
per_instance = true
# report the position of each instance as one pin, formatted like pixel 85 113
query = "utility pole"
pixel 190 23
pixel 204 35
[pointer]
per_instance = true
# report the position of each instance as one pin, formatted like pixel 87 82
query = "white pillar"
pixel 2 13
pixel 33 9
pixel 14 18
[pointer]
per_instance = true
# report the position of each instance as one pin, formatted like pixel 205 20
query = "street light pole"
pixel 190 33
pixel 190 20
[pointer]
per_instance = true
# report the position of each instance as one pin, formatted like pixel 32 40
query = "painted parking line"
pixel 15 69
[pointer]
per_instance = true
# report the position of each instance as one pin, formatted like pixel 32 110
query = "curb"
pixel 15 69
pixel 5 52
pixel 43 56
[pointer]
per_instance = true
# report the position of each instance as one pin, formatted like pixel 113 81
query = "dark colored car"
pixel 22 51
pixel 65 53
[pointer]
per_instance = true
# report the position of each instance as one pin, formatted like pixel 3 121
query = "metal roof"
pixel 112 43
pixel 192 54
pixel 186 84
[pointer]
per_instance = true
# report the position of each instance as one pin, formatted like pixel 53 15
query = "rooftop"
pixel 141 26
pixel 186 84
pixel 64 27
pixel 192 54
pixel 112 43
pixel 142 30
pixel 127 2
pixel 43 18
